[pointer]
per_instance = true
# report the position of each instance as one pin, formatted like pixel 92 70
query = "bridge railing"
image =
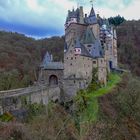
pixel 22 91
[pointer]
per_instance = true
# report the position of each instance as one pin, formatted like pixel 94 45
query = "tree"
pixel 116 21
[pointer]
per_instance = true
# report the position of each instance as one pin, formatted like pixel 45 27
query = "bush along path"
pixel 86 102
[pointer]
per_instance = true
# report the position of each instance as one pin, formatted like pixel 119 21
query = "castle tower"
pixel 74 25
pixel 93 23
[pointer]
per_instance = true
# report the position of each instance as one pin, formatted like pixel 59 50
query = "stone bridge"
pixel 15 99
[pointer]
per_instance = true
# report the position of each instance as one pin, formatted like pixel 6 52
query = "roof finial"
pixel 77 4
pixel 91 2
pixel 73 8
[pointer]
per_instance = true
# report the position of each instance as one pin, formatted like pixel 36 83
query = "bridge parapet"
pixel 13 99
pixel 22 91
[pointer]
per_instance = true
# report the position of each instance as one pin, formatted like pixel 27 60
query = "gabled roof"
pixel 84 51
pixel 88 36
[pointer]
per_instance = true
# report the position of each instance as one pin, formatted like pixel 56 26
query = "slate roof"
pixel 91 19
pixel 47 58
pixel 48 63
pixel 53 66
pixel 84 51
pixel 88 37
pixel 97 50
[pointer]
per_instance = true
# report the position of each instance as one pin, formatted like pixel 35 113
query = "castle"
pixel 90 45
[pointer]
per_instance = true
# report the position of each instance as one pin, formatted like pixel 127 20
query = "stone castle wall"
pixel 73 31
pixel 15 99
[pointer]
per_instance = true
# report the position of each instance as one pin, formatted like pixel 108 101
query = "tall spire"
pixel 91 1
pixel 92 12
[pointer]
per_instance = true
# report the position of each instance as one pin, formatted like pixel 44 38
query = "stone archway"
pixel 53 80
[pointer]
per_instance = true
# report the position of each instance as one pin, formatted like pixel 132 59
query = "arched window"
pixel 53 80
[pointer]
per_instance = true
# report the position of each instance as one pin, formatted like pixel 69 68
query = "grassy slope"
pixel 113 80
pixel 90 114
pixel 119 113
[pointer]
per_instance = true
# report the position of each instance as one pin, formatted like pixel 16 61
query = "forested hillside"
pixel 114 115
pixel 129 45
pixel 21 56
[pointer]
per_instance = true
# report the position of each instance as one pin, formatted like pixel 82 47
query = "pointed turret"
pixel 47 58
pixel 92 12
pixel 91 19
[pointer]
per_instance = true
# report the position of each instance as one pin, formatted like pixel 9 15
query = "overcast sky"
pixel 45 18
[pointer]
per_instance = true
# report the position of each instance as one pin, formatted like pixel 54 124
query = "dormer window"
pixel 77 51
pixel 89 46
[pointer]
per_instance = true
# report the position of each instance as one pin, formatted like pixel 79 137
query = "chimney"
pixel 98 16
pixel 81 14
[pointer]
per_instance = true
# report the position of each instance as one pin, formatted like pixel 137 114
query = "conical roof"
pixel 92 12
pixel 88 37
pixel 91 19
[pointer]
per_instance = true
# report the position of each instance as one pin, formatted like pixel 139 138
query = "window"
pixel 74 81
pixel 88 45
pixel 71 58
pixel 67 58
pixel 101 61
pixel 94 62
pixel 71 64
